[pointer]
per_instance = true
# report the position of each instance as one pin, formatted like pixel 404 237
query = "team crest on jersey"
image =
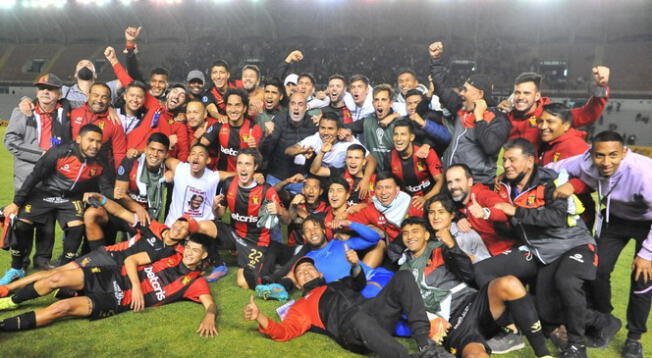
pixel 224 130
pixel 533 121
pixel 556 156
pixel 28 208
pixel 85 262
pixel 420 165
pixel 101 125
pixel 170 263
pixel 96 269
pixel 93 171
pixel 170 121
pixel 185 280
pixel 531 200
pixel 255 200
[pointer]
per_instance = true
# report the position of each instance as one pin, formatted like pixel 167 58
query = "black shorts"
pixel 41 206
pixel 250 255
pixel 472 323
pixel 96 258
pixel 103 286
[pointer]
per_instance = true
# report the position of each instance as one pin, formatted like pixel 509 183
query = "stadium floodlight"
pixel 7 4
pixel 43 3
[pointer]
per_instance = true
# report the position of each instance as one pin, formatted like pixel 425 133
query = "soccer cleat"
pixel 632 349
pixel 272 291
pixel 574 350
pixel 7 304
pixel 506 342
pixel 217 273
pixel 11 275
pixel 601 337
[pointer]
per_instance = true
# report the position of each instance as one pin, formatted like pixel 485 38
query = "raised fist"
pixel 294 56
pixel 601 75
pixel 436 49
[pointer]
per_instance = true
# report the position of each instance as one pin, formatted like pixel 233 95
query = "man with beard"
pixel 527 104
pixel 247 201
pixel 214 96
pixel 562 250
pixel 55 187
pixel 250 83
pixel 28 137
pixel 420 178
pixel 377 129
pixel 238 133
pixel 356 164
pixel 336 90
pixel 360 103
pixel 273 96
pixel 622 180
pixel 95 111
pixel 340 311
pixel 290 127
pixel 480 128
pixel 159 117
pixel 476 203
pixel 195 84
pixel 138 187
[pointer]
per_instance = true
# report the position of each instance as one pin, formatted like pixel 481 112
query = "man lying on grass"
pixel 339 310
pixel 108 290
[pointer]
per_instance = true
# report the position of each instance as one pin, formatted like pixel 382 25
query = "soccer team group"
pixel 382 205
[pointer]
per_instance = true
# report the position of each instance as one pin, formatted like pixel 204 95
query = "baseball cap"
pixel 196 75
pixel 193 225
pixel 483 83
pixel 49 80
pixel 302 260
pixel 291 78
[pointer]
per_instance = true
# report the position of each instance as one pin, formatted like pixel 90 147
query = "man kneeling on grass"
pixel 339 310
pixel 108 290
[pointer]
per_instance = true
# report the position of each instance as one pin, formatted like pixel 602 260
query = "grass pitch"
pixel 169 331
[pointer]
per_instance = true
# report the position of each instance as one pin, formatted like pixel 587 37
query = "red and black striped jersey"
pixel 244 205
pixel 229 140
pixel 147 239
pixel 165 281
pixel 63 171
pixel 416 175
pixel 128 172
pixel 354 194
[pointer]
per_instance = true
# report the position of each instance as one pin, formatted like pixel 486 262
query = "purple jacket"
pixel 628 190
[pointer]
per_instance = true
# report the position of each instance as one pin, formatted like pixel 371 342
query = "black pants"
pixel 370 329
pixel 613 238
pixel 560 297
pixel 519 263
pixel 44 242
